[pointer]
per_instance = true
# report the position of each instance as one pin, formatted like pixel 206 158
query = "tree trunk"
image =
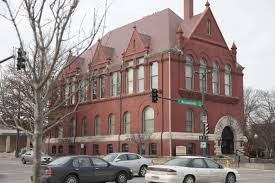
pixel 38 128
pixel 273 153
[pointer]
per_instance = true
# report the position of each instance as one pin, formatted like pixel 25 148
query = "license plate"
pixel 155 177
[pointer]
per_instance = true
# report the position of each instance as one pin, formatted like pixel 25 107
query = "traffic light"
pixel 21 59
pixel 206 129
pixel 154 95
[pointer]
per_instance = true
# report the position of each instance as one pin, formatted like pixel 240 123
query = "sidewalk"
pixel 7 155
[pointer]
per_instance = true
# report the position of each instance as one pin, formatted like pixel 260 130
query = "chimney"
pixel 188 9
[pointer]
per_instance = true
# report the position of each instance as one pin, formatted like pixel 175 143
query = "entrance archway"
pixel 227 145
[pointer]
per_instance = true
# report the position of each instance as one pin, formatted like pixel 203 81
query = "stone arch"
pixel 232 123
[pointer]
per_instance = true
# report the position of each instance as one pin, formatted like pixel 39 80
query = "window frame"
pixel 111 124
pixel 228 86
pixel 190 122
pixel 84 130
pixel 97 126
pixel 147 122
pixel 189 65
pixel 203 71
pixel 216 78
pixel 126 124
pixel 154 77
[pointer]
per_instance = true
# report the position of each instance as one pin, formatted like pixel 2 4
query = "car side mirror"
pixel 117 160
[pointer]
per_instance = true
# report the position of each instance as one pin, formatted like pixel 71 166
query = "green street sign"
pixel 189 102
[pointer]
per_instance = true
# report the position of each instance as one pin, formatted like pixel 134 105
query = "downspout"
pixel 162 113
pixel 170 133
pixel 120 109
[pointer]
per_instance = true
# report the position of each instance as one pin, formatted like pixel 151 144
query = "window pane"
pixel 153 149
pixel 140 78
pixel 148 120
pixel 126 123
pixel 189 121
pixel 154 75
pixel 198 163
pixel 191 149
pixel 102 86
pixel 125 148
pixel 97 126
pixel 84 127
pixel 129 79
pixel 189 73
pixel 99 163
pixel 111 127
pixel 94 87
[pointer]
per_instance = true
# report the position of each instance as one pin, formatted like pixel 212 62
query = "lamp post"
pixel 203 107
pixel 256 137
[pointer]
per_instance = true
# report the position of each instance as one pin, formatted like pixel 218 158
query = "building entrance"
pixel 227 145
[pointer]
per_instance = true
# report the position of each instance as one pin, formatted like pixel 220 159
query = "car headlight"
pixel 131 170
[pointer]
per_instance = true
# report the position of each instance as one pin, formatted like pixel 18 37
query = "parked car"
pixel 133 161
pixel 84 169
pixel 27 157
pixel 191 169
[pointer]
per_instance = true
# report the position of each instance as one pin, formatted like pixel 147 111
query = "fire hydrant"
pixel 227 164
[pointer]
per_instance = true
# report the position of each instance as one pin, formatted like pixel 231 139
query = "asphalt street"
pixel 12 171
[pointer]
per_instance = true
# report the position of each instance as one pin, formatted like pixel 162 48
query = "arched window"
pixel 228 81
pixel 216 79
pixel 97 126
pixel 148 120
pixel 126 123
pixel 111 124
pixel 154 75
pixel 203 75
pixel 189 121
pixel 60 131
pixel 84 127
pixel 203 118
pixel 73 127
pixel 189 80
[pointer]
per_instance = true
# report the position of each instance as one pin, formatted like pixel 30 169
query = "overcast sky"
pixel 250 23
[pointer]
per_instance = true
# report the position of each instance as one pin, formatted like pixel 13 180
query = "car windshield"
pixel 178 162
pixel 60 161
pixel 110 157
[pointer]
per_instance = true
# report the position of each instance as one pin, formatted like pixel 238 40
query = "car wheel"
pixel 189 179
pixel 230 178
pixel 24 161
pixel 142 171
pixel 71 179
pixel 121 178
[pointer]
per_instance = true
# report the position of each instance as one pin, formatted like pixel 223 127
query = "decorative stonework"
pixel 228 121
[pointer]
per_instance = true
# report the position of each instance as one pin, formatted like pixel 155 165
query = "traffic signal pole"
pixel 203 109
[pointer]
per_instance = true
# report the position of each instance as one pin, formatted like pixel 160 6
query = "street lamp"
pixel 256 137
pixel 204 76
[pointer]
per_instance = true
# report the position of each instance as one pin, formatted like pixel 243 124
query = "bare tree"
pixel 259 115
pixel 140 140
pixel 50 25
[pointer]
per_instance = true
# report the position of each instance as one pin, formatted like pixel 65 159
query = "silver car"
pixel 27 157
pixel 138 164
pixel 191 169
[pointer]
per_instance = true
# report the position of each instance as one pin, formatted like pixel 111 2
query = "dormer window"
pixel 209 27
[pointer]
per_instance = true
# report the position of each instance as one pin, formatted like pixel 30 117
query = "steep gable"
pixel 138 42
pixel 201 29
pixel 102 54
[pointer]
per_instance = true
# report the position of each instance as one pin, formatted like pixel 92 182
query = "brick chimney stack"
pixel 188 9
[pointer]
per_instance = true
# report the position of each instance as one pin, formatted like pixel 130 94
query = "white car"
pixel 138 164
pixel 27 157
pixel 191 169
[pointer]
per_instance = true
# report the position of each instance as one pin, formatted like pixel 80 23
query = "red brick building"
pixel 163 51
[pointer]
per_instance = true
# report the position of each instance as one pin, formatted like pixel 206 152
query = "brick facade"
pixel 167 45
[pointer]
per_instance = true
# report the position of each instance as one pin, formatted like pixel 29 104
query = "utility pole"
pixel 204 138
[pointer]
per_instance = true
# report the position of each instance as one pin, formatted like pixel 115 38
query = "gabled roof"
pixel 159 29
